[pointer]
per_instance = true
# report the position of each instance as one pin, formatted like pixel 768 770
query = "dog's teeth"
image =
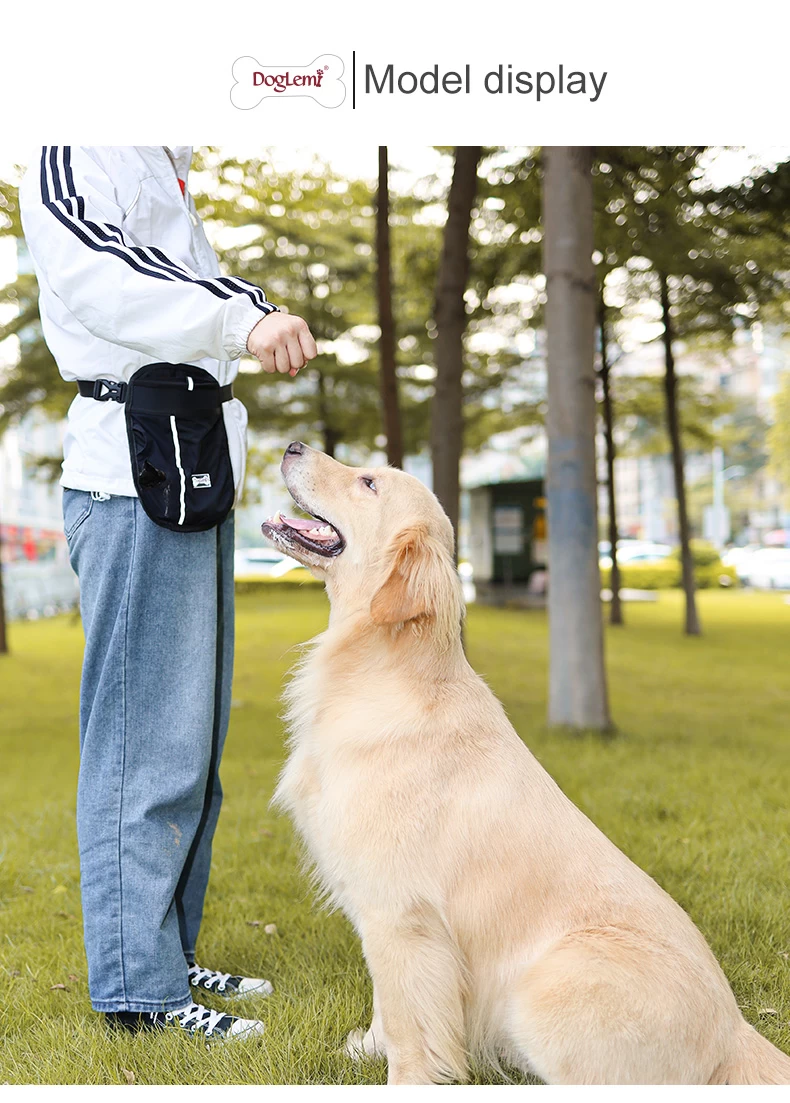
pixel 325 530
pixel 277 520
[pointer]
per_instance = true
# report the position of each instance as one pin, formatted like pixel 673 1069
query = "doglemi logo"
pixel 200 481
pixel 320 81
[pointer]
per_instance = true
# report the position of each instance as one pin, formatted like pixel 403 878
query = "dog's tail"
pixel 754 1060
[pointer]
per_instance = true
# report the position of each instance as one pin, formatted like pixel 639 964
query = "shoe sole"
pixel 265 989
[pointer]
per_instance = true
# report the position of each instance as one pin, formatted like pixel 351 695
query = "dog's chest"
pixel 328 815
pixel 358 795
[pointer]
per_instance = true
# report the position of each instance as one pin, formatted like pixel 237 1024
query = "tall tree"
pixel 651 198
pixel 692 625
pixel 577 681
pixel 711 256
pixel 450 318
pixel 616 605
pixel 390 406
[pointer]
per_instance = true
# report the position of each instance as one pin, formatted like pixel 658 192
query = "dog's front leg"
pixel 368 1043
pixel 419 984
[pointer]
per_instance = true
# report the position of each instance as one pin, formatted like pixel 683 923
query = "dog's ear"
pixel 420 581
pixel 398 599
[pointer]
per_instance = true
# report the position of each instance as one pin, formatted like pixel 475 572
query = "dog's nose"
pixel 295 448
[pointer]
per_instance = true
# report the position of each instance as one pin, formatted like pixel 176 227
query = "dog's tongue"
pixel 316 530
pixel 303 523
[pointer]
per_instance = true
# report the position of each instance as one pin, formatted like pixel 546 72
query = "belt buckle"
pixel 114 390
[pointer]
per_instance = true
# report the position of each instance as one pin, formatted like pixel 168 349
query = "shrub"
pixel 665 574
pixel 294 578
pixel 716 574
pixel 703 553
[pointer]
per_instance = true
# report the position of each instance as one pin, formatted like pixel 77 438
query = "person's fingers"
pixel 307 341
pixel 295 354
pixel 267 361
pixel 281 361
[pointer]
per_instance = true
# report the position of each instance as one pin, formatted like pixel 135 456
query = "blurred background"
pixel 690 241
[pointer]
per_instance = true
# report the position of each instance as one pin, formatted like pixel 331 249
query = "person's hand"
pixel 282 342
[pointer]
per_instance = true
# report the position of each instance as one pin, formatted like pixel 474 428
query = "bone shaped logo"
pixel 320 80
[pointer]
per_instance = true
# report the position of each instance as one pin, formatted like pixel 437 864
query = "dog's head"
pixel 377 536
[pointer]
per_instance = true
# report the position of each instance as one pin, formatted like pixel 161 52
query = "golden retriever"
pixel 495 918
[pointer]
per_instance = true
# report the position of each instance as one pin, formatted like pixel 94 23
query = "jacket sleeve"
pixel 131 295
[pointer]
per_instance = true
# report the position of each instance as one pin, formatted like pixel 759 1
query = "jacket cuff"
pixel 241 316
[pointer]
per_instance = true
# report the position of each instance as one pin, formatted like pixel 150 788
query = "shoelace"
pixel 197 1017
pixel 197 973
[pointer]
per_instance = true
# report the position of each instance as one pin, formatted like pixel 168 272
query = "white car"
pixel 261 563
pixel 740 558
pixel 769 569
pixel 636 552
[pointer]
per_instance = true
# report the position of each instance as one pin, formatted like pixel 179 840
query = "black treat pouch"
pixel 179 447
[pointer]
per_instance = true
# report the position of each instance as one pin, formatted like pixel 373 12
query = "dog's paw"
pixel 361 1044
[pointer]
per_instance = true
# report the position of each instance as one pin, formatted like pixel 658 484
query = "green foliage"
pixel 297 577
pixel 703 553
pixel 666 574
pixel 640 414
pixel 657 203
pixel 304 237
pixel 724 254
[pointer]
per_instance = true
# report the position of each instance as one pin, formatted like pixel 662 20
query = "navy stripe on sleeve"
pixel 69 209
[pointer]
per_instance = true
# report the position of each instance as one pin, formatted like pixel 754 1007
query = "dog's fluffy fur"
pixel 495 918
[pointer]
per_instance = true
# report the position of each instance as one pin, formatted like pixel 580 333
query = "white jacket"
pixel 127 278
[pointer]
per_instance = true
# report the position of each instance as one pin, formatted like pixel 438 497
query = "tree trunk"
pixel 577 681
pixel 450 317
pixel 616 606
pixel 330 435
pixel 387 370
pixel 692 627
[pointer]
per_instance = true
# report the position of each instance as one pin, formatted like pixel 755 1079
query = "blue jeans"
pixel 157 609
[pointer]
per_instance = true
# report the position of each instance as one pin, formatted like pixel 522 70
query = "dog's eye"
pixel 369 483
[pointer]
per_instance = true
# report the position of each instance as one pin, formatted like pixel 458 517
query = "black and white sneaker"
pixel 225 984
pixel 194 1019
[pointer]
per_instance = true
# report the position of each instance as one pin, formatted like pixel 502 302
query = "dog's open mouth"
pixel 312 533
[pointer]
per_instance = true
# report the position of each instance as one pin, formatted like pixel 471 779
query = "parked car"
pixel 740 558
pixel 769 569
pixel 251 563
pixel 634 552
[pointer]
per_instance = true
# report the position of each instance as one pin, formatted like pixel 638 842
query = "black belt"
pixel 158 396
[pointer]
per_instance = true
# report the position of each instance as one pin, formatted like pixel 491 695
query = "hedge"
pixel 295 578
pixel 666 574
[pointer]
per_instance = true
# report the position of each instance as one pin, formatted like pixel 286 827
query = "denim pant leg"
pixel 192 887
pixel 152 724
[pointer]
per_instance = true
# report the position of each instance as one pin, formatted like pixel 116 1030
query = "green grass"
pixel 694 787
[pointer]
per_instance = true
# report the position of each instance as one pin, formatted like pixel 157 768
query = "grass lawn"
pixel 694 788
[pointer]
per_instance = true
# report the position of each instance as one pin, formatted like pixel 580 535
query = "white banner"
pixel 497 73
